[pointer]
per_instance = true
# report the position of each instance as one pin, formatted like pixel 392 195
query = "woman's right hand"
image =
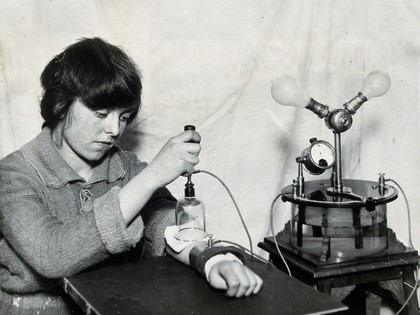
pixel 177 157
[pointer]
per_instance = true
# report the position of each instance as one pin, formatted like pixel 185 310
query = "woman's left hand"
pixel 237 279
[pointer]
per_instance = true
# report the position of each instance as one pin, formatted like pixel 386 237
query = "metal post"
pixel 338 185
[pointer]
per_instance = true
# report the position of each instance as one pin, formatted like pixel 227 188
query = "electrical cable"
pixel 274 236
pixel 236 206
pixel 245 227
pixel 412 292
pixel 411 244
pixel 408 210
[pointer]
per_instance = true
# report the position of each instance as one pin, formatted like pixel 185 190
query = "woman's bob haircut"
pixel 99 74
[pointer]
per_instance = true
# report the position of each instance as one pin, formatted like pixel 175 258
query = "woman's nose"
pixel 112 125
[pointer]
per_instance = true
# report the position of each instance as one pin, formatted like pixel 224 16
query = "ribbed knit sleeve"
pixel 52 247
pixel 158 214
pixel 115 236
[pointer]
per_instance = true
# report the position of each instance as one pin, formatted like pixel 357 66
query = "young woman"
pixel 71 198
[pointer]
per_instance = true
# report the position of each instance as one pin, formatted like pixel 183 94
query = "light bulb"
pixel 375 84
pixel 287 91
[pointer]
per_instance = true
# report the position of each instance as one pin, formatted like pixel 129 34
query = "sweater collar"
pixel 55 172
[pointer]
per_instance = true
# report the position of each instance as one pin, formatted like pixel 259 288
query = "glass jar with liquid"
pixel 342 227
pixel 190 216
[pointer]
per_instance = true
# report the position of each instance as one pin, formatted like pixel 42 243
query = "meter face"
pixel 322 154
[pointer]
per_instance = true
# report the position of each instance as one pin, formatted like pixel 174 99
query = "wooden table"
pixel 165 286
pixel 398 262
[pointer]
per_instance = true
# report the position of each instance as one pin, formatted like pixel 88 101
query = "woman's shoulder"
pixel 18 162
pixel 13 160
pixel 16 166
pixel 17 158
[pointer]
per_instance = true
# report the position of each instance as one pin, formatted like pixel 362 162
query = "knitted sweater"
pixel 55 224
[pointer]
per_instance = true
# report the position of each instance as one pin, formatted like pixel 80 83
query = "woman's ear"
pixel 57 134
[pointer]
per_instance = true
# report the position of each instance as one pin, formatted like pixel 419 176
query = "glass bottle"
pixel 190 216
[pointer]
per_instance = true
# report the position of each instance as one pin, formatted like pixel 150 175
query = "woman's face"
pixel 89 134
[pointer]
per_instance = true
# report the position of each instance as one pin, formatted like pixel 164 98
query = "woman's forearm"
pixel 136 193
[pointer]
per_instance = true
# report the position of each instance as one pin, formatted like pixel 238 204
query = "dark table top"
pixel 164 286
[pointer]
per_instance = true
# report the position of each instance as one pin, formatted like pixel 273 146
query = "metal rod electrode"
pixel 338 183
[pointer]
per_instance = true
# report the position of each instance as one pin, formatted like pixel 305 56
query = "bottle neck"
pixel 189 190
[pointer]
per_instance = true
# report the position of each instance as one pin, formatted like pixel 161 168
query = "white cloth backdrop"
pixel 211 63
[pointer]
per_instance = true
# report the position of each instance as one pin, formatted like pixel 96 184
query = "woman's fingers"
pixel 178 156
pixel 187 136
pixel 238 279
pixel 256 282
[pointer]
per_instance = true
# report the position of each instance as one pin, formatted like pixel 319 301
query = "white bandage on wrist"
pixel 177 245
pixel 218 258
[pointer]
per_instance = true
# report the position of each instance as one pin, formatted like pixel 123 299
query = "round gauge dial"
pixel 322 154
pixel 318 157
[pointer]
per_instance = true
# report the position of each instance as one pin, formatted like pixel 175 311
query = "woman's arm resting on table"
pixel 222 269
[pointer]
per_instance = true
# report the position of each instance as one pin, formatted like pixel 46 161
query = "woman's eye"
pixel 124 118
pixel 101 114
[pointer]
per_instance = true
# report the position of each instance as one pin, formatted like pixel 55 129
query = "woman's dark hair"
pixel 97 73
